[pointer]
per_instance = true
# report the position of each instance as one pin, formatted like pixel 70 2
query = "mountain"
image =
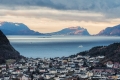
pixel 6 50
pixel 10 28
pixel 111 31
pixel 111 52
pixel 71 31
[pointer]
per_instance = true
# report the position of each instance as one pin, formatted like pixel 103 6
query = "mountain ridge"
pixel 10 28
pixel 110 31
pixel 71 31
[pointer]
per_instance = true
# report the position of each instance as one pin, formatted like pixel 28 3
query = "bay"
pixel 57 46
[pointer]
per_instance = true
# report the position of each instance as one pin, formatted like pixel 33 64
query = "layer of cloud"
pixel 55 14
pixel 110 8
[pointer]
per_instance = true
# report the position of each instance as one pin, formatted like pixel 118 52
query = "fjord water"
pixel 57 46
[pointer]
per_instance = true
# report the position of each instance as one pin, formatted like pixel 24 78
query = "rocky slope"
pixel 9 28
pixel 71 31
pixel 110 31
pixel 6 50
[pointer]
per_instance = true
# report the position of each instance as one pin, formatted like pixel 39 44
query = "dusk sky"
pixel 53 15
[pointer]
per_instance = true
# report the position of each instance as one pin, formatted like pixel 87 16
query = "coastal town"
pixel 59 39
pixel 65 68
pixel 98 63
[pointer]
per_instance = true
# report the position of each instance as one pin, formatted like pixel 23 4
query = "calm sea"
pixel 57 46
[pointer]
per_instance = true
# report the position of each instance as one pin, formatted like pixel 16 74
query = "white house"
pixel 53 71
pixel 6 77
pixel 24 77
pixel 48 76
pixel 109 64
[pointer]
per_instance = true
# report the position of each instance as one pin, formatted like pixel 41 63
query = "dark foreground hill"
pixel 6 50
pixel 111 52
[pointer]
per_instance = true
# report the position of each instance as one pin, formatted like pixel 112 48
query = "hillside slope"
pixel 6 50
pixel 111 52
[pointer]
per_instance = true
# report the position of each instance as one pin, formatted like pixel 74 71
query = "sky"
pixel 53 15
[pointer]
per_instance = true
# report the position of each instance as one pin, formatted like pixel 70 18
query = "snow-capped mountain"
pixel 71 31
pixel 10 28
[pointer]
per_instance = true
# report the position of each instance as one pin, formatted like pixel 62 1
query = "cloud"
pixel 45 15
pixel 55 14
pixel 110 8
pixel 41 3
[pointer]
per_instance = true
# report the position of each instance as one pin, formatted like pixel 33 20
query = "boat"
pixel 80 46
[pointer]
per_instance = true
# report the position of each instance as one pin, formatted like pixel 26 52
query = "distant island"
pixel 10 28
pixel 72 31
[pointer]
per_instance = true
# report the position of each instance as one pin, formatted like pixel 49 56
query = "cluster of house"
pixel 65 68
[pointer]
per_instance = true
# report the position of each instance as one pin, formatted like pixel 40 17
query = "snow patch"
pixel 1 23
pixel 17 24
pixel 74 27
